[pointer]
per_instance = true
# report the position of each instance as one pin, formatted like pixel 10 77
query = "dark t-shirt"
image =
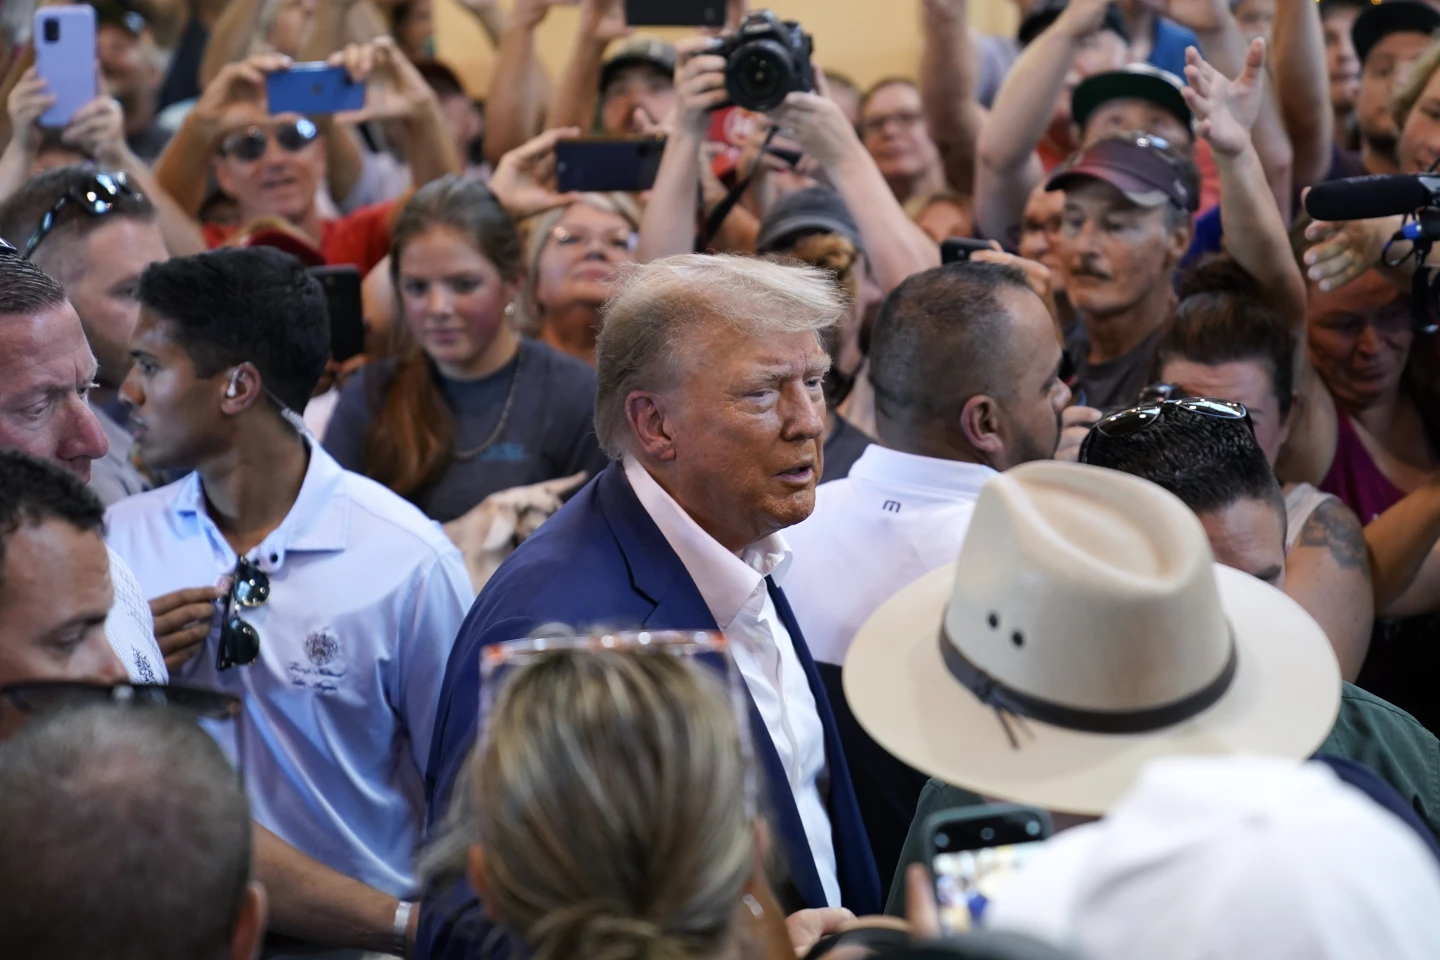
pixel 550 432
pixel 842 449
pixel 1115 384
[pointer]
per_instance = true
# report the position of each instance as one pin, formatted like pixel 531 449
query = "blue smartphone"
pixel 65 58
pixel 313 88
pixel 603 164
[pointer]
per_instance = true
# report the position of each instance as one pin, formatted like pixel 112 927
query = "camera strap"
pixel 723 208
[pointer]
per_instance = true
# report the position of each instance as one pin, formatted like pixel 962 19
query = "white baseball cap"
pixel 1213 858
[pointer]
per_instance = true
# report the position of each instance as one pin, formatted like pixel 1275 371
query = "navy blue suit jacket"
pixel 601 561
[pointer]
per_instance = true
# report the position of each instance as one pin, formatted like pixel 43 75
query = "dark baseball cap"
pixel 1141 167
pixel 1394 16
pixel 1046 12
pixel 811 210
pixel 114 14
pixel 1138 81
pixel 648 51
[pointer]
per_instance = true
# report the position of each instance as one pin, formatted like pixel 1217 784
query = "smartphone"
pixel 65 57
pixel 603 165
pixel 974 851
pixel 345 308
pixel 312 89
pixel 675 13
pixel 956 249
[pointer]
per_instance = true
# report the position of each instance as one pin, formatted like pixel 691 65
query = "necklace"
pixel 465 456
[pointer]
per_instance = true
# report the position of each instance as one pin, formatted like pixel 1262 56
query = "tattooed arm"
pixel 1328 573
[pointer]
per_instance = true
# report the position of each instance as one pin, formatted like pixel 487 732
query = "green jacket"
pixel 1367 730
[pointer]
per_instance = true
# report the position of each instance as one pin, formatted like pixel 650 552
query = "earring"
pixel 509 309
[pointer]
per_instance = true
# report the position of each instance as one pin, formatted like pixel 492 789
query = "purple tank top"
pixel 1353 476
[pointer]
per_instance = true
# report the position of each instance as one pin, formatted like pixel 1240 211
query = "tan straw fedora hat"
pixel 1084 631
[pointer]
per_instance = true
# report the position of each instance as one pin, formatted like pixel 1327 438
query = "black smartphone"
pixel 974 851
pixel 675 13
pixel 605 164
pixel 956 249
pixel 344 306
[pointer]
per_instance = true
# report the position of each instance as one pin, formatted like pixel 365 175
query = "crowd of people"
pixel 665 565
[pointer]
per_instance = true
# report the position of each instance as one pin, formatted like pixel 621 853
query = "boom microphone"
pixel 1361 198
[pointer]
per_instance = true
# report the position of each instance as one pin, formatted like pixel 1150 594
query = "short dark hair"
pixel 1208 462
pixel 881 84
pixel 942 337
pixel 1223 318
pixel 34 490
pixel 25 289
pixel 255 304
pixel 21 214
pixel 128 837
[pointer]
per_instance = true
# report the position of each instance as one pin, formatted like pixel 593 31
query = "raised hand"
pixel 1080 18
pixel 699 84
pixel 29 99
pixel 1225 110
pixel 1345 250
pixel 1201 16
pixel 98 130
pixel 394 89
pixel 522 180
pixel 238 82
pixel 603 20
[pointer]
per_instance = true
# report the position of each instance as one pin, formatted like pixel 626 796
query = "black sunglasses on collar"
pixel 96 196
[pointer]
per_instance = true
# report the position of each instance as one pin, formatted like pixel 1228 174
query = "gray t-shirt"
pixel 1115 384
pixel 550 432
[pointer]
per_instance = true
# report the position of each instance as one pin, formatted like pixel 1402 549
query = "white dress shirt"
pixel 733 587
pixel 366 598
pixel 896 517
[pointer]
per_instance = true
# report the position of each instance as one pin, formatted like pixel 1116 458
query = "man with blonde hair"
pixel 709 404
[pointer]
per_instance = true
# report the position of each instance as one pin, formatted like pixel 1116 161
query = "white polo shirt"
pixel 733 588
pixel 366 598
pixel 895 518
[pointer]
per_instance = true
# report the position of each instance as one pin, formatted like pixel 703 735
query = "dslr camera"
pixel 766 59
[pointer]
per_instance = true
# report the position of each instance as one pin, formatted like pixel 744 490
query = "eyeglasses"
pixel 97 196
pixel 46 696
pixel 249 144
pixel 906 120
pixel 617 240
pixel 239 641
pixel 1127 423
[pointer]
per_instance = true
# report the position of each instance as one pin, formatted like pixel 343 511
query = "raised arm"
pixel 28 100
pixel 895 246
pixel 514 100
pixel 1223 47
pixel 1007 168
pixel 1302 85
pixel 576 93
pixel 947 89
pixel 231 38
pixel 343 158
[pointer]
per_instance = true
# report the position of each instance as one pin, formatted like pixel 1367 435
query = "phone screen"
pixel 975 855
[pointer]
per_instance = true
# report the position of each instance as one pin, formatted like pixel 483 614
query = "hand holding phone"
pixel 313 89
pixel 65 59
pixel 956 249
pixel 974 851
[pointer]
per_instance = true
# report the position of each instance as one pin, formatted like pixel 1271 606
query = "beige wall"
pixel 868 39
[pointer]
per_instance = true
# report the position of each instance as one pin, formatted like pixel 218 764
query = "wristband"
pixel 402 926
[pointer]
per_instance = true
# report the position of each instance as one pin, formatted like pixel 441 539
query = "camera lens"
pixel 759 75
pixel 1032 828
pixel 942 840
pixel 987 833
pixel 52 31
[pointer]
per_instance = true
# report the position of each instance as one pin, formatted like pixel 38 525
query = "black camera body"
pixel 766 59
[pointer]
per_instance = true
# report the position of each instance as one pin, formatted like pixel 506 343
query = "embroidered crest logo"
pixel 321 647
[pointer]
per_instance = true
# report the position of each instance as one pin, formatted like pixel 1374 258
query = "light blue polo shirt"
pixel 366 598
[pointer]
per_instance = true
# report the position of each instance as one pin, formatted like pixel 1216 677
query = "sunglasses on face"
pixel 239 640
pixel 250 144
pixel 1127 423
pixel 96 197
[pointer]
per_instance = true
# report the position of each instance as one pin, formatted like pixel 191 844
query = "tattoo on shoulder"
pixel 1335 527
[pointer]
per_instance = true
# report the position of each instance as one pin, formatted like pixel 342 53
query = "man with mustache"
pixel 965 363
pixel 710 404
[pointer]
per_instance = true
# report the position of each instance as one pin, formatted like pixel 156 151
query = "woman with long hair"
pixel 465 407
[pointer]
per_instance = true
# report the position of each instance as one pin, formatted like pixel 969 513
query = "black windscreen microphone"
pixel 1361 198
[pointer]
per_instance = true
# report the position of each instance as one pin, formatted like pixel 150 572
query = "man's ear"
pixel 223 177
pixel 982 424
pixel 249 934
pixel 1177 242
pixel 649 415
pixel 240 389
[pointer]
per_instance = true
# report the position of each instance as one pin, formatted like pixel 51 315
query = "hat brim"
pixel 1282 702
pixel 1124 85
pixel 804 223
pixel 1140 192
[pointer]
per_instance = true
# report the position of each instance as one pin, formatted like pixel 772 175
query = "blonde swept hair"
pixel 610 796
pixel 658 306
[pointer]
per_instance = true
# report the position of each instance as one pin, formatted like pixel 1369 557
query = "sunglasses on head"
pixel 239 640
pixel 46 696
pixel 96 196
pixel 1127 423
pixel 249 144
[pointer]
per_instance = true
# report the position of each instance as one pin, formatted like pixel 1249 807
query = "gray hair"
pixel 659 305
pixel 127 836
